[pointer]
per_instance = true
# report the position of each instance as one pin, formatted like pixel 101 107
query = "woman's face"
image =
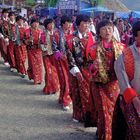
pixel 20 22
pixel 83 27
pixel 50 26
pixel 5 15
pixel 35 24
pixel 67 25
pixel 12 17
pixel 106 32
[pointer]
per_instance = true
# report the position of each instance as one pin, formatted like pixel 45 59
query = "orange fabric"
pixel 129 63
pixel 129 94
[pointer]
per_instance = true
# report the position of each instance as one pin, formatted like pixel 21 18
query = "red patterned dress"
pixel 62 67
pixel 106 88
pixel 51 77
pixel 34 56
pixel 11 46
pixel 20 50
pixel 80 90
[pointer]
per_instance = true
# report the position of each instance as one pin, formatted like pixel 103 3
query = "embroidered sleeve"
pixel 71 59
pixel 55 41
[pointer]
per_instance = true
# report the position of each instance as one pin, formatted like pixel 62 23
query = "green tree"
pixel 30 2
pixel 51 3
pixel 99 2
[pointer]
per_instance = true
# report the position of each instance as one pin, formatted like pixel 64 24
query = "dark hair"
pixel 102 24
pixel 120 20
pixel 11 14
pixel 18 18
pixel 136 28
pixel 5 11
pixel 48 21
pixel 81 18
pixel 34 20
pixel 65 19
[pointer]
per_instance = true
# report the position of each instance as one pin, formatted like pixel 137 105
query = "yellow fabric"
pixel 102 75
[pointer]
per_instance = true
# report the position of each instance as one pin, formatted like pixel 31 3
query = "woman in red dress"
pixel 51 77
pixel 20 47
pixel 106 88
pixel 34 52
pixel 12 39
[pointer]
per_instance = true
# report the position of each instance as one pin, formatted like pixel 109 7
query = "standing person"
pixel 12 39
pixel 80 78
pixel 20 47
pixel 116 32
pixel 121 28
pixel 32 40
pixel 4 35
pixel 106 88
pixel 128 73
pixel 51 77
pixel 92 27
pixel 59 47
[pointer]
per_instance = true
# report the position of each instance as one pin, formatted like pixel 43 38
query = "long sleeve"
pixel 125 87
pixel 71 60
pixel 55 42
pixel 54 45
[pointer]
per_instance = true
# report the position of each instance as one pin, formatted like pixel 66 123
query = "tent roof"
pixel 122 14
pixel 136 14
pixel 98 8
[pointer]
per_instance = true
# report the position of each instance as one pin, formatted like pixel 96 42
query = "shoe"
pixel 74 120
pixel 13 70
pixel 6 64
pixel 66 108
pixel 22 75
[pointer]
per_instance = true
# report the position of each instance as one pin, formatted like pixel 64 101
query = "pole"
pixel 3 2
pixel 13 2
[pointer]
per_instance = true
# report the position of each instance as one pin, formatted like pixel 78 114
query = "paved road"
pixel 27 114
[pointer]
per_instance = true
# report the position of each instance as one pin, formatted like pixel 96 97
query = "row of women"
pixel 82 69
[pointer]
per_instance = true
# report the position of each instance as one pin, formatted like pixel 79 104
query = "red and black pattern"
pixel 51 77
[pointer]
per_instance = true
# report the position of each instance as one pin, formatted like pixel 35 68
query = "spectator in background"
pixel 116 32
pixel 92 27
